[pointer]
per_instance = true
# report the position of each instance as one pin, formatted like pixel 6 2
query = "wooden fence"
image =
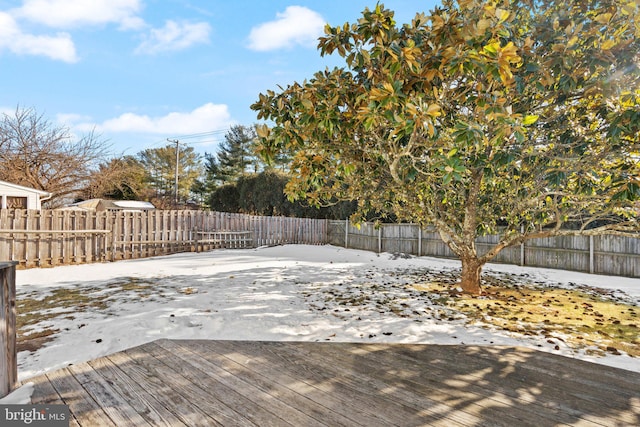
pixel 59 237
pixel 607 254
pixel 8 358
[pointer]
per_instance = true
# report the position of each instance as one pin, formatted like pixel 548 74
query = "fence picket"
pixel 605 254
pixel 55 237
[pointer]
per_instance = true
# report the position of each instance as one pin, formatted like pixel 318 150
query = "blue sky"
pixel 141 71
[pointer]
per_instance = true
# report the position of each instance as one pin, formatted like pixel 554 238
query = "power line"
pixel 201 134
pixel 213 136
pixel 189 143
pixel 207 137
pixel 206 141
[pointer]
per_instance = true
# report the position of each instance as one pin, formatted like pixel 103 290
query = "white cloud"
pixel 59 47
pixel 174 36
pixel 65 119
pixel 202 119
pixel 297 25
pixel 8 27
pixel 74 13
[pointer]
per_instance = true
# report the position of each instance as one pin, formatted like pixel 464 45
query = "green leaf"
pixel 395 67
pixel 529 120
pixel 492 48
pixel 349 169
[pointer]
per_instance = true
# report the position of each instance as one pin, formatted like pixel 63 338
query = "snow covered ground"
pixel 271 293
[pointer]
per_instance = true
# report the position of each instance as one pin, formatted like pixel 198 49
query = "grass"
pixel 581 319
pixel 34 309
pixel 592 320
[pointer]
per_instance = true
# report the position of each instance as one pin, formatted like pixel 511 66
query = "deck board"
pixel 259 395
pixel 83 408
pixel 197 395
pixel 142 400
pixel 359 398
pixel 180 408
pixel 256 383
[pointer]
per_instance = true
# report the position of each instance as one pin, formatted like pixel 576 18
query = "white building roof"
pixel 133 204
pixel 94 204
pixel 23 189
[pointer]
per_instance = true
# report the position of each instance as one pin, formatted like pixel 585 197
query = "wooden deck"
pixel 233 383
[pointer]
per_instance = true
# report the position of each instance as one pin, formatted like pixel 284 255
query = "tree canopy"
pixel 235 156
pixel 519 118
pixel 263 194
pixel 122 178
pixel 160 167
pixel 38 154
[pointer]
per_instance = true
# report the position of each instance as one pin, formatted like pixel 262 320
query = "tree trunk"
pixel 471 269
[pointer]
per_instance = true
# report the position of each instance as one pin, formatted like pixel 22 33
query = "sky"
pixel 139 72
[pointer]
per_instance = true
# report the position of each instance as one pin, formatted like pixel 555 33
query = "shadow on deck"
pixel 233 383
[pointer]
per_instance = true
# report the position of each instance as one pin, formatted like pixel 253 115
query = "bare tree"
pixel 36 153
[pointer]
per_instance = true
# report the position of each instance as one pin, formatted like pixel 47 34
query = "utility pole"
pixel 175 141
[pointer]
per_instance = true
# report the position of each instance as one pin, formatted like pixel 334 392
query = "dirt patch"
pixel 37 309
pixel 33 342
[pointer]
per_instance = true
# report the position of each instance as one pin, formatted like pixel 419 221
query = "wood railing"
pixel 8 355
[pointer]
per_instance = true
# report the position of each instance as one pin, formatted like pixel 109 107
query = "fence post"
pixel 8 355
pixel 113 236
pixel 326 231
pixel 591 255
pixel 419 240
pixel 522 260
pixel 380 238
pixel 346 233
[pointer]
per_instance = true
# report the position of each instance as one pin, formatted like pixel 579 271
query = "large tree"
pixel 519 118
pixel 236 155
pixel 160 166
pixel 122 178
pixel 263 194
pixel 38 154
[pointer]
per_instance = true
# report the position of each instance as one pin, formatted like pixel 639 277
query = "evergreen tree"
pixel 236 155
pixel 520 119
pixel 263 194
pixel 160 164
pixel 211 173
